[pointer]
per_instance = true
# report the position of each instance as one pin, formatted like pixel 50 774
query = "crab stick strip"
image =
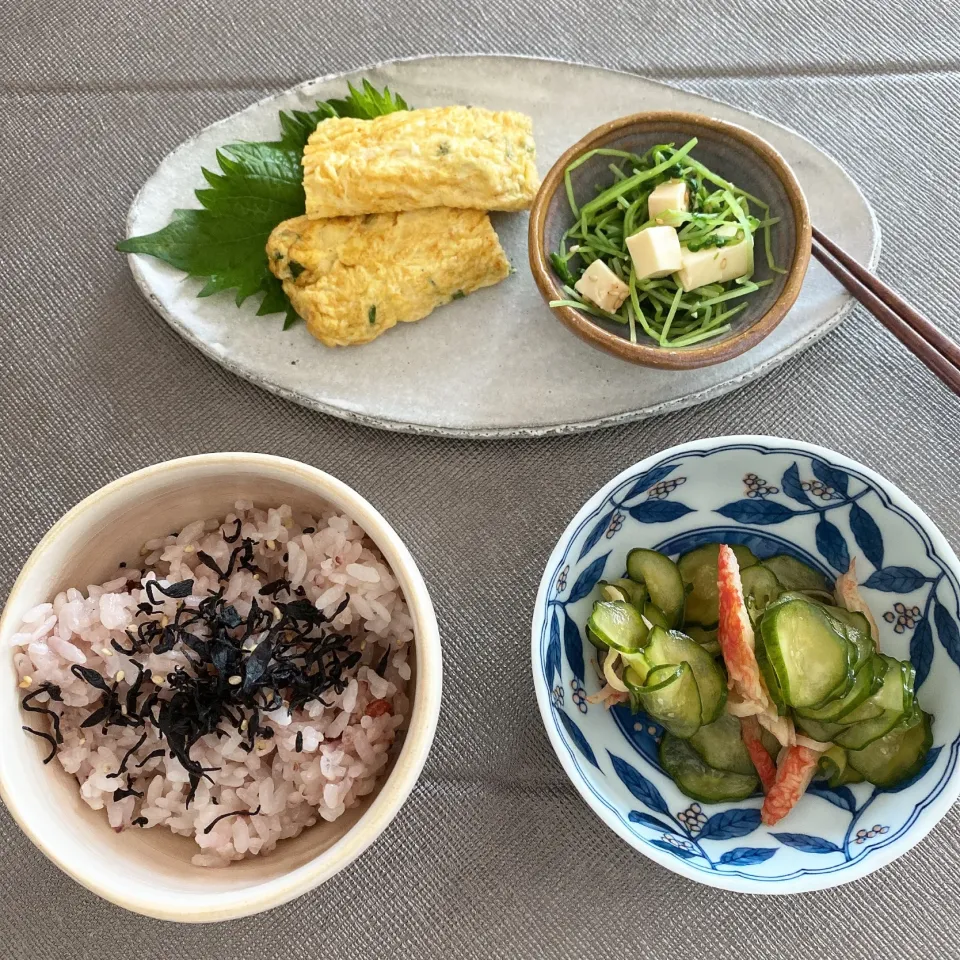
pixel 766 768
pixel 735 633
pixel 847 595
pixel 794 772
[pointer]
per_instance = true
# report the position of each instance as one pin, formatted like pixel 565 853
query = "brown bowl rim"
pixel 684 358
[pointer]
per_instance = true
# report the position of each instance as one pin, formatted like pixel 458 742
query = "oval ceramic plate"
pixel 496 363
pixel 773 496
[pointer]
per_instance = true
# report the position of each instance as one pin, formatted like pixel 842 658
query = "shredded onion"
pixel 611 675
pixel 815 745
pixel 742 708
pixel 848 596
pixel 780 727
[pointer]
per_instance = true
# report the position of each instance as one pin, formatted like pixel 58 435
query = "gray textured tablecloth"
pixel 494 855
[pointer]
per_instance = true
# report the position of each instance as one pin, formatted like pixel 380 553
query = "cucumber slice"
pixel 635 593
pixel 835 768
pixel 760 588
pixel 633 680
pixel 618 624
pixel 670 697
pixel 698 568
pixel 857 628
pixel 874 706
pixel 655 615
pixel 706 638
pixel 794 575
pixel 699 780
pixel 660 576
pixel 832 763
pixel 638 663
pixel 609 592
pixel 809 658
pixel 893 697
pixel 770 678
pixel 821 596
pixel 700 634
pixel 899 754
pixel 770 743
pixel 671 647
pixel 721 746
pixel 818 729
pixel 864 686
pixel 594 639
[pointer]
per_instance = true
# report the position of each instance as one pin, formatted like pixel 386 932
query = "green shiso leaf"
pixel 258 185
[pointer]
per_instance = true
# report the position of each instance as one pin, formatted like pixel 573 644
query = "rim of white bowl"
pixel 927 819
pixel 394 791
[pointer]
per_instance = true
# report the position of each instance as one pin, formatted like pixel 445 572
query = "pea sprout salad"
pixel 667 247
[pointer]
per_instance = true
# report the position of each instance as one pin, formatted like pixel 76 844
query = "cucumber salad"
pixel 760 674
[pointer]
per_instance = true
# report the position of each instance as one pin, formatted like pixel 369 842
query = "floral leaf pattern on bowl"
pixel 683 852
pixel 639 785
pixel 638 816
pixel 659 511
pixel 806 843
pixel 601 527
pixel 756 511
pixel 792 487
pixel 896 580
pixel 947 631
pixel 730 824
pixel 552 666
pixel 831 544
pixel 746 856
pixel 867 534
pixel 588 579
pixel 921 651
pixel 841 797
pixel 573 647
pixel 647 480
pixel 831 477
pixel 573 731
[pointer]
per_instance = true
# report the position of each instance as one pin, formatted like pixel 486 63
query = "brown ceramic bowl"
pixel 730 151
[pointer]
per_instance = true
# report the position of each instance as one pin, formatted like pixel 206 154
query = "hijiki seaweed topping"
pixel 240 668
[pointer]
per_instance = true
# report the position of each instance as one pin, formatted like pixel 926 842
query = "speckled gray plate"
pixel 494 364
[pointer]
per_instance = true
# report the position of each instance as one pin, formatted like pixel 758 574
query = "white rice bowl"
pixel 343 746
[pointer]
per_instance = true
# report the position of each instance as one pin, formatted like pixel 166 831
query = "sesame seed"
pixel 271 544
pixel 235 680
pixel 120 675
pixel 256 577
pixel 188 549
pixel 106 651
pixel 243 724
pixel 25 682
pixel 123 709
pixel 164 620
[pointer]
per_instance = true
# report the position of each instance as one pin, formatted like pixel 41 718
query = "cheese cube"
pixel 716 264
pixel 671 195
pixel 600 285
pixel 655 252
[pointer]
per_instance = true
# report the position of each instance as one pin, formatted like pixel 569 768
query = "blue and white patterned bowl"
pixel 774 496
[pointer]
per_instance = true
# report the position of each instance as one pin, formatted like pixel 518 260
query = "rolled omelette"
pixel 352 278
pixel 464 157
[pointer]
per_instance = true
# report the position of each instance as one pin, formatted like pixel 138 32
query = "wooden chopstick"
pixel 912 329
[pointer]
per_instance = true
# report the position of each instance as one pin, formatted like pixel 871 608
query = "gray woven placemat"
pixel 494 855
